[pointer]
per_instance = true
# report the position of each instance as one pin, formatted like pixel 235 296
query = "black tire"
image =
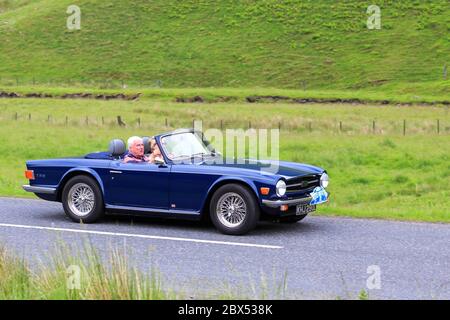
pixel 96 210
pixel 293 219
pixel 250 217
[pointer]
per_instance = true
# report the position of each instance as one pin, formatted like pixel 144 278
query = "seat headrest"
pixel 146 141
pixel 117 147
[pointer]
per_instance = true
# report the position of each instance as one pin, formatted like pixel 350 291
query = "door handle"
pixel 114 171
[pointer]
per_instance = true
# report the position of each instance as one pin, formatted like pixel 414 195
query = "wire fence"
pixel 305 125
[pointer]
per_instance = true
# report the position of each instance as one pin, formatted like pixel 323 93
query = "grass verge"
pixel 72 274
pixel 79 277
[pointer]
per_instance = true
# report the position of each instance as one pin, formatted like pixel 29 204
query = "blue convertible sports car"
pixel 234 195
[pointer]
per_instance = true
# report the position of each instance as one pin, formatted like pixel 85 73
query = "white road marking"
pixel 143 236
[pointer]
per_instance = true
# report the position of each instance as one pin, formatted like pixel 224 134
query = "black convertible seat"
pixel 116 150
pixel 146 141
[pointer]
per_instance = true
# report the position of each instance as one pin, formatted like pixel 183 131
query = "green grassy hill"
pixel 201 43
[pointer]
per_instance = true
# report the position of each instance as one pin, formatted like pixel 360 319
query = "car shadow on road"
pixel 53 216
pixel 156 221
pixel 264 228
pixel 274 228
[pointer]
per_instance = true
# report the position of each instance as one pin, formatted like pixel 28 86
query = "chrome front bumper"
pixel 34 189
pixel 289 202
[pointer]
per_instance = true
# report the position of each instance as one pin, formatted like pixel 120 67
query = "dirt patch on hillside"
pixel 199 99
pixel 217 99
pixel 284 99
pixel 118 96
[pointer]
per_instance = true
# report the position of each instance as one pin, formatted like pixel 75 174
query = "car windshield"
pixel 184 145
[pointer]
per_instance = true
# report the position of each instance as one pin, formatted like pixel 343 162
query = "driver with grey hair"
pixel 135 151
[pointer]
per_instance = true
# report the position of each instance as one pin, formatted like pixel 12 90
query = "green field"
pixel 379 173
pixel 196 43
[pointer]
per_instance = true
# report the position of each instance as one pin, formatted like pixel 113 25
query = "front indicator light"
pixel 265 191
pixel 29 174
pixel 284 207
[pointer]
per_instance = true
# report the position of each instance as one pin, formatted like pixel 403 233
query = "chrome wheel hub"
pixel 231 209
pixel 81 199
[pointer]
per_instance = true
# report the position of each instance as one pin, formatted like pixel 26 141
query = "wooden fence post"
pixel 438 126
pixel 404 127
pixel 120 122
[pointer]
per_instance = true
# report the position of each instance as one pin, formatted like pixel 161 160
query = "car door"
pixel 189 185
pixel 141 185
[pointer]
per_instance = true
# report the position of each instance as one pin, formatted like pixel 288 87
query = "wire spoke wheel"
pixel 231 210
pixel 81 199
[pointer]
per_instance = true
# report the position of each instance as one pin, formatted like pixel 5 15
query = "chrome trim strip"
pixel 290 202
pixel 35 189
pixel 150 210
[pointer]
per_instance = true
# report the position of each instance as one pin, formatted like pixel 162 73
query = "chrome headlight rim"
pixel 324 180
pixel 280 188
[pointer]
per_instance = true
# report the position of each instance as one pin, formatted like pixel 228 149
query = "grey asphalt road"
pixel 320 257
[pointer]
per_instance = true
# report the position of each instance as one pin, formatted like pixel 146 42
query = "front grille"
pixel 302 184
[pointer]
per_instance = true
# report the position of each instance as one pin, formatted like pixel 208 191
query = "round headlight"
pixel 324 180
pixel 281 188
